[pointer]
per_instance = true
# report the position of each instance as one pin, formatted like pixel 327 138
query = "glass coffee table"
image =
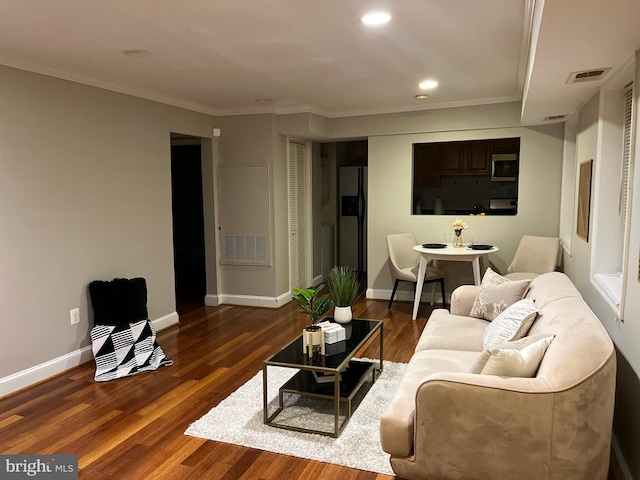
pixel 349 374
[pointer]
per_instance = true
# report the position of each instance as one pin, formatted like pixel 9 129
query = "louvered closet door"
pixel 297 215
pixel 626 165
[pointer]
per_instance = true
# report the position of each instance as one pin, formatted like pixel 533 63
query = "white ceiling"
pixel 221 56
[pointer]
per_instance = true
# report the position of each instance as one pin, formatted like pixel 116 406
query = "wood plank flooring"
pixel 133 428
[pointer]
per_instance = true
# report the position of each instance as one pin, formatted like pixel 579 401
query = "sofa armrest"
pixel 483 426
pixel 462 299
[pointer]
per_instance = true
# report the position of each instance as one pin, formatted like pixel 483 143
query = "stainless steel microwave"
pixel 504 167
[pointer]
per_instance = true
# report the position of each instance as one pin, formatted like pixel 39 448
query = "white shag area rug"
pixel 238 419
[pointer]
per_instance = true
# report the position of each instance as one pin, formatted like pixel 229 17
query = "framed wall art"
pixel 584 199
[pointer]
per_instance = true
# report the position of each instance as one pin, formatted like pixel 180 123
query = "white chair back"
pixel 401 252
pixel 535 255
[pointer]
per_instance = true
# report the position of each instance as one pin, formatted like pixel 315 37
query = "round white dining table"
pixel 449 253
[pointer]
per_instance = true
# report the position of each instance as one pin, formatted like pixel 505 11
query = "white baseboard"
pixel 55 366
pixel 405 295
pixel 212 300
pixel 317 280
pixel 254 300
pixel 618 463
pixel 166 321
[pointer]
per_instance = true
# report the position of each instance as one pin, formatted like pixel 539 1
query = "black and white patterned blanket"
pixel 123 350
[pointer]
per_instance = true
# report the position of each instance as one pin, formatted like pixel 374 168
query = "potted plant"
pixel 314 306
pixel 343 285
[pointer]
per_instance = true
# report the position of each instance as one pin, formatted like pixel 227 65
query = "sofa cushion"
pixel 496 294
pixel 519 358
pixel 396 425
pixel 444 331
pixel 512 324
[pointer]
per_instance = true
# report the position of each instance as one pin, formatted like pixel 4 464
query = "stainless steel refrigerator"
pixel 352 251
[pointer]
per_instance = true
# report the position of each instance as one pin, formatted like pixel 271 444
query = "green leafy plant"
pixel 343 285
pixel 311 304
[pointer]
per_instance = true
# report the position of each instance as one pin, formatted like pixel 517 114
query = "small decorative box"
pixel 333 332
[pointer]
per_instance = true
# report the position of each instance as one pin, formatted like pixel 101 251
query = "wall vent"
pixel 551 118
pixel 588 75
pixel 242 248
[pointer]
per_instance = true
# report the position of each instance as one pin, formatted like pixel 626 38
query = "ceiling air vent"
pixel 555 117
pixel 588 75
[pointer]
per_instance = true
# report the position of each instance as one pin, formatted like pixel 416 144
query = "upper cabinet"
pixel 505 145
pixel 471 157
pixel 426 165
pixel 451 155
pixel 465 158
pixel 357 152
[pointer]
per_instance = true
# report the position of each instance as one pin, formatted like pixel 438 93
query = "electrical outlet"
pixel 75 316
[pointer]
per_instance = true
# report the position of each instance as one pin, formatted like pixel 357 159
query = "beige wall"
pixel 247 140
pixel 626 335
pixel 457 119
pixel 390 177
pixel 85 194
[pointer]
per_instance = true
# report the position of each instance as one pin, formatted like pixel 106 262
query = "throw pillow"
pixel 512 324
pixel 515 359
pixel 496 294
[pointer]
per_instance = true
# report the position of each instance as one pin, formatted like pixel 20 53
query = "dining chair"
pixel 404 262
pixel 534 256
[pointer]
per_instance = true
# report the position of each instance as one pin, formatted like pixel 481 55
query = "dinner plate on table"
pixel 434 245
pixel 480 246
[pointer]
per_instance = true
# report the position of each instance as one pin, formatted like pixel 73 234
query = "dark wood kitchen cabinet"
pixel 470 157
pixel 505 145
pixel 426 165
pixel 357 152
pixel 451 156
pixel 477 159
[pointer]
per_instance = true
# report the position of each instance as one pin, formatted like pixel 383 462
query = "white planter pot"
pixel 342 314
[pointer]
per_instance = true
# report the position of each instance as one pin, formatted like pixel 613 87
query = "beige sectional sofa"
pixel 447 423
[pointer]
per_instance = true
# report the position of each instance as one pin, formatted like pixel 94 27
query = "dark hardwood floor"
pixel 133 428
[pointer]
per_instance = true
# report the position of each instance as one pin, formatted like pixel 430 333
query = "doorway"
pixel 188 222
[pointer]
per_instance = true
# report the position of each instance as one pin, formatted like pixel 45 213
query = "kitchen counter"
pixel 470 212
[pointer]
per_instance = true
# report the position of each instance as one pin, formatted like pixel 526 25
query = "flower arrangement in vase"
pixel 458 225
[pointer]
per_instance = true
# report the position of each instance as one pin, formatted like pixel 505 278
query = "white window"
pixel 625 174
pixel 613 168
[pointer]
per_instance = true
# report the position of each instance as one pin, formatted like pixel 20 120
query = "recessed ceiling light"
pixel 421 97
pixel 375 19
pixel 136 53
pixel 428 84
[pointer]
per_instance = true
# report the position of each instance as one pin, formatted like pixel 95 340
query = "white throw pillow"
pixel 512 324
pixel 521 361
pixel 496 294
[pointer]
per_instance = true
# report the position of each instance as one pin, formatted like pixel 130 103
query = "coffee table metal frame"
pixel 299 383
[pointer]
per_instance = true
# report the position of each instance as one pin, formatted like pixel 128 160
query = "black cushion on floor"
pixel 119 302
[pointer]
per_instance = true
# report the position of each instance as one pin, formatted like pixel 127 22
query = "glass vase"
pixel 458 241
